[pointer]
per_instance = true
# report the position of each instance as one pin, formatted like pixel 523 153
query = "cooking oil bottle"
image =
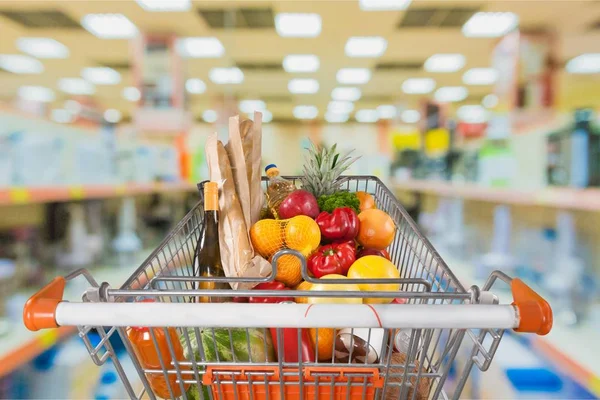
pixel 278 189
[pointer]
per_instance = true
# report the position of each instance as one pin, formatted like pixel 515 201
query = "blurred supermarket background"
pixel 481 115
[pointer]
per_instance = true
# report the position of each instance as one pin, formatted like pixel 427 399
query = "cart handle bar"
pixel 528 313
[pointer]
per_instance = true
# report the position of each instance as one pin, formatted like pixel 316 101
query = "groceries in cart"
pixel 280 287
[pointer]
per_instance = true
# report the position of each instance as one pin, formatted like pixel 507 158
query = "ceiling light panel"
pixel 200 47
pixel 418 85
pixel 165 5
pixel 490 24
pixel 210 116
pixel 36 93
pixel 366 116
pixel 131 93
pixel 588 63
pixel 195 86
pixel 450 94
pixel 76 86
pixel 267 116
pixel 340 107
pixel 305 112
pixel 346 93
pixel 41 47
pixel 109 26
pixel 301 63
pixel 387 111
pixel 444 62
pixel 365 46
pixel 473 114
pixel 490 101
pixel 249 106
pixel 61 116
pixel 303 86
pixel 112 115
pixel 334 118
pixel 226 76
pixel 20 64
pixel 101 75
pixel 410 116
pixel 353 76
pixel 480 76
pixel 383 5
pixel 298 25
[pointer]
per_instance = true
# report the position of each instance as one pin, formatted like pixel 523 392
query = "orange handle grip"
pixel 535 313
pixel 40 310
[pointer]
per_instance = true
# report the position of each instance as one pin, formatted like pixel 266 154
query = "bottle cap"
pixel 211 196
pixel 271 169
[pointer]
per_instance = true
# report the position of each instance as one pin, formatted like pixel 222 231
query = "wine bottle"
pixel 207 260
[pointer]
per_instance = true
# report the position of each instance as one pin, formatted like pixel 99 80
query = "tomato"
pixel 367 201
pixel 375 267
pixel 376 229
pixel 351 287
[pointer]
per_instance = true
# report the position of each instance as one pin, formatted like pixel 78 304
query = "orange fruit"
pixel 324 342
pixel 367 201
pixel 376 230
pixel 303 286
pixel 351 287
pixel 289 270
pixel 375 267
pixel 267 237
pixel 302 234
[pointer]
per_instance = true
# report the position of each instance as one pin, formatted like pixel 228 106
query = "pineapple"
pixel 322 169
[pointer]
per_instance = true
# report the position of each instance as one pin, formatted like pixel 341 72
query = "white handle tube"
pixel 231 315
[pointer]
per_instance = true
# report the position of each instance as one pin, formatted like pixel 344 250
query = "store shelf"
pixel 564 198
pixel 20 345
pixel 32 195
pixel 572 350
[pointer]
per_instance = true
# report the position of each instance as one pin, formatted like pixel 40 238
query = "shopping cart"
pixel 415 350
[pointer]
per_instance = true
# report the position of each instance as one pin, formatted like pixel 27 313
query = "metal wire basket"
pixel 361 351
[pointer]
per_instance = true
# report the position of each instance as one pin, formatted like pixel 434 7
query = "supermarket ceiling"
pixel 425 28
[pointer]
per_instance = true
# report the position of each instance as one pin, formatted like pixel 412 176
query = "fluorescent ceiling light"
pixel 333 117
pixel 200 47
pixel 410 116
pixel 444 63
pixel 76 86
pixel 301 63
pixel 101 75
pixel 131 93
pixel 298 25
pixel 62 116
pixel 353 76
pixel 346 93
pixel 306 112
pixel 365 46
pixel 490 24
pixel 109 26
pixel 387 111
pixel 490 101
pixel 340 107
pixel 113 116
pixel 210 116
pixel 418 85
pixel 36 93
pixel 249 106
pixel 41 47
pixel 73 106
pixel 449 94
pixel 165 5
pixel 474 114
pixel 20 64
pixel 366 115
pixel 225 76
pixel 303 86
pixel 588 63
pixel 480 76
pixel 383 5
pixel 195 86
pixel 267 116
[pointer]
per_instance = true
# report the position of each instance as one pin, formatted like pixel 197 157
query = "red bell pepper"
pixel 270 286
pixel 339 226
pixel 335 258
pixel 367 251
